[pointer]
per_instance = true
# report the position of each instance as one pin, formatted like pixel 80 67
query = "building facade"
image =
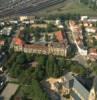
pixel 40 49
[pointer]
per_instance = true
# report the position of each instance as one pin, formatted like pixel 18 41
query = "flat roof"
pixel 9 90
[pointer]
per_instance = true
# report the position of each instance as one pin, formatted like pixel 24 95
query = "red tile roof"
pixel 2 42
pixel 18 41
pixel 93 50
pixel 36 46
pixel 59 36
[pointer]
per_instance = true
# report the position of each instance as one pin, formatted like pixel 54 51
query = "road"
pixel 81 59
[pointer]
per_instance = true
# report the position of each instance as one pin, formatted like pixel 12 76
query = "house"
pixel 92 19
pixel 58 22
pixel 2 42
pixel 22 18
pixel 87 24
pixel 13 21
pixel 2 23
pixel 6 31
pixel 84 18
pixel 18 44
pixel 59 36
pixel 91 29
pixel 92 54
pixel 74 27
pixel 1 69
pixel 26 22
pixel 89 19
pixel 18 41
pixel 60 26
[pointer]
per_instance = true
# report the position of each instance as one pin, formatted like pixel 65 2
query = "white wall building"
pixel 6 31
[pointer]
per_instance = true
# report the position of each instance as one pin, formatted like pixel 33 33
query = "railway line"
pixel 27 7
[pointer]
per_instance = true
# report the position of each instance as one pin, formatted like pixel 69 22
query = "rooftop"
pixel 18 41
pixel 77 86
pixel 59 36
pixel 35 46
pixel 2 42
pixel 9 90
pixel 95 84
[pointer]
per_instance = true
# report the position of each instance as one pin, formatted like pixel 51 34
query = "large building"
pixel 93 92
pixel 53 49
pixel 77 90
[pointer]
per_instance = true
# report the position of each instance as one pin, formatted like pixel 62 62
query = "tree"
pixel 93 67
pixel 52 67
pixel 34 91
pixel 54 38
pixel 56 72
pixel 46 37
pixel 39 73
pixel 25 77
pixel 77 68
pixel 15 70
pixel 21 58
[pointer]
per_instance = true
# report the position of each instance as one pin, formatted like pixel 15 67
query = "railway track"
pixel 27 7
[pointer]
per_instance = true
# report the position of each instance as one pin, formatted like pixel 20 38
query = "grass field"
pixel 69 6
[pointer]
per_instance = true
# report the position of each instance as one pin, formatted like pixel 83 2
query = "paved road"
pixel 81 59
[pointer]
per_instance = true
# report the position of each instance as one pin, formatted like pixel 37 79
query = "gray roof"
pixel 68 76
pixel 75 96
pixel 95 84
pixel 69 84
pixel 80 89
pixel 1 98
pixel 72 82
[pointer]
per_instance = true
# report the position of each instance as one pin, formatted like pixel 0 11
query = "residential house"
pixel 60 36
pixel 92 19
pixel 13 21
pixel 91 29
pixel 22 18
pixel 84 18
pixel 92 54
pixel 2 43
pixel 18 44
pixel 6 31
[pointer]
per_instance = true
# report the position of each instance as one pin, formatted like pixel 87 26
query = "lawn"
pixel 69 6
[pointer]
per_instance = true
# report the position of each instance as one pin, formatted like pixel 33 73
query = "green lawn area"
pixel 69 6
